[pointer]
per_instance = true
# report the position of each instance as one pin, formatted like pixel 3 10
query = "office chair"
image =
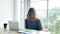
pixel 33 24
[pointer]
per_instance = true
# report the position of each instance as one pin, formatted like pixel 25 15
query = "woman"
pixel 32 15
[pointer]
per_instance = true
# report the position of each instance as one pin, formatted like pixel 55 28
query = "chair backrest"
pixel 33 24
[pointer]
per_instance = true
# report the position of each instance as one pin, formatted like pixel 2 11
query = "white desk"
pixel 7 31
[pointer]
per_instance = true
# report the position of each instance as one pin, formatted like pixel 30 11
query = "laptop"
pixel 14 25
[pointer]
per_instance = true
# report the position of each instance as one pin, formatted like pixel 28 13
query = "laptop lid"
pixel 13 25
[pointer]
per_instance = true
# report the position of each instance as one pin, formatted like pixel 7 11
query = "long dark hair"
pixel 31 13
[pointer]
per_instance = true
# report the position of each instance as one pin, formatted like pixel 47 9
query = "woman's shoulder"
pixel 32 19
pixel 37 19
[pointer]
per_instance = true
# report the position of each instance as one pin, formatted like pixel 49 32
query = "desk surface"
pixel 7 31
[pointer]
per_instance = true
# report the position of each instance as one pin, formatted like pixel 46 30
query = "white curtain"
pixel 6 11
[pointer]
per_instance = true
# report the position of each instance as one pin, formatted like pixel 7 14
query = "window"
pixel 39 5
pixel 54 16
